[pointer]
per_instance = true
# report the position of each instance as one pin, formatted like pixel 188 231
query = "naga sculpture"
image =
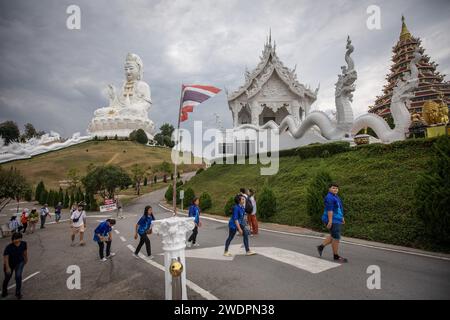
pixel 401 95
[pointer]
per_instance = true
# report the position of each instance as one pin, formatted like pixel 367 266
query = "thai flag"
pixel 193 95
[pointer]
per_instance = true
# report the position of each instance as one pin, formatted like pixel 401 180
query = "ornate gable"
pixel 270 63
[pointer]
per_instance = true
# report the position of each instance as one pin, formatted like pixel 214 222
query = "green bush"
pixel 39 188
pixel 266 203
pixel 317 150
pixel 169 194
pixel 141 136
pixel 43 197
pixel 432 193
pixel 189 195
pixel 205 201
pixel 145 181
pixel 228 206
pixel 199 171
pixel 316 191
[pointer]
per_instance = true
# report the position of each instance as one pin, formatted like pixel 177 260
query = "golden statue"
pixel 434 112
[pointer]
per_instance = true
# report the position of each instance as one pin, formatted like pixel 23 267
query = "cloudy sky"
pixel 55 78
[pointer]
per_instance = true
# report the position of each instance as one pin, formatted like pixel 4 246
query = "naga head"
pixel 345 85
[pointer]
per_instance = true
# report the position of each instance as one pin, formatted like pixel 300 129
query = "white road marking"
pixel 123 239
pixel 213 253
pixel 204 293
pixel 298 260
pixel 117 231
pixel 321 238
pixel 54 222
pixel 23 280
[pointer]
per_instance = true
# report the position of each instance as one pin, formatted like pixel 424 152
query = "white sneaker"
pixel 104 259
pixel 227 254
pixel 196 245
pixel 188 244
pixel 112 254
pixel 151 257
pixel 136 256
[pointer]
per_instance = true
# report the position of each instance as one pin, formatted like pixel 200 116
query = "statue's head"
pixel 134 68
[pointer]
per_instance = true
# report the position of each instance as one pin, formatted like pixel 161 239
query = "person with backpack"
pixel 194 212
pixel 248 208
pixel 33 218
pixel 45 212
pixel 24 220
pixel 237 224
pixel 102 235
pixel 143 229
pixel 333 217
pixel 253 223
pixel 14 225
pixel 78 223
pixel 58 210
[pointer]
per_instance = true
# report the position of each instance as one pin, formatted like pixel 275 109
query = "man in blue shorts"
pixel 333 217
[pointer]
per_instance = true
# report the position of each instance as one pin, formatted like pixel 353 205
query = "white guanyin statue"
pixel 128 110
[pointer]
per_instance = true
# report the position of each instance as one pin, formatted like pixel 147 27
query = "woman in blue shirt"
pixel 194 212
pixel 143 228
pixel 103 234
pixel 237 223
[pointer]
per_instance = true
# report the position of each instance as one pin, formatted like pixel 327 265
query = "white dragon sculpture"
pixel 401 95
pixel 328 128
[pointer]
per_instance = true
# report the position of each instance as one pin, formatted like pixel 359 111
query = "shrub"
pixel 205 201
pixel 141 136
pixel 266 203
pixel 318 149
pixel 189 195
pixel 39 188
pixel 229 206
pixel 155 179
pixel 432 193
pixel 316 191
pixel 199 171
pixel 169 194
pixel 145 181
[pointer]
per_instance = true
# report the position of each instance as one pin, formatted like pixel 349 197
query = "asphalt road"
pixel 287 266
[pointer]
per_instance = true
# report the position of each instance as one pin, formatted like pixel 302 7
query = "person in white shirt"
pixel 78 223
pixel 253 223
pixel 45 211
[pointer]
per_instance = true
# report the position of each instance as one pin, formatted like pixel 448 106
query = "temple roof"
pixel 270 63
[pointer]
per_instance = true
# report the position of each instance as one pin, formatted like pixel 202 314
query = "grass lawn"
pixel 52 167
pixel 376 185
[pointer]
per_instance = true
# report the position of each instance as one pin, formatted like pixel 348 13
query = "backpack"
pixel 248 206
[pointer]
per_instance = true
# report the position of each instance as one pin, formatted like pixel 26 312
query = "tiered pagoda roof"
pixel 431 83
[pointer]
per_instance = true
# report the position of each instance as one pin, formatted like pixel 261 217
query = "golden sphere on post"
pixel 176 268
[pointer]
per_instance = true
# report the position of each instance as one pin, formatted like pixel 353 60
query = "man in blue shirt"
pixel 237 223
pixel 333 217
pixel 194 212
pixel 102 234
pixel 143 228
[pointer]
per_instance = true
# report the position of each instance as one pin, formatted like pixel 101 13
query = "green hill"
pixel 52 167
pixel 376 183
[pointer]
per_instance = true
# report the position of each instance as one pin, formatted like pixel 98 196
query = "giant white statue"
pixel 128 110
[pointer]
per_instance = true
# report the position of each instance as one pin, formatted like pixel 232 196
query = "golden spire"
pixel 404 35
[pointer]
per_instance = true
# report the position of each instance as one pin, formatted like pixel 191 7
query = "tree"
pixel 72 199
pixel 205 201
pixel 145 181
pixel 169 194
pixel 432 201
pixel 138 173
pixel 73 176
pixel 30 131
pixel 43 197
pixel 189 195
pixel 39 188
pixel 266 203
pixel 155 179
pixel 164 137
pixel 105 180
pixel 316 192
pixel 13 186
pixel 9 131
pixel 61 196
pixel 66 200
pixel 141 136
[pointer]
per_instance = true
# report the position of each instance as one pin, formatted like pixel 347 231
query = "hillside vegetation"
pixel 377 185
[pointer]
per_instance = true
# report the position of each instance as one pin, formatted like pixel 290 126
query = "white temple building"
pixel 270 94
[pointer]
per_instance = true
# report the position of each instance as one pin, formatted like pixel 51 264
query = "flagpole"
pixel 174 196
